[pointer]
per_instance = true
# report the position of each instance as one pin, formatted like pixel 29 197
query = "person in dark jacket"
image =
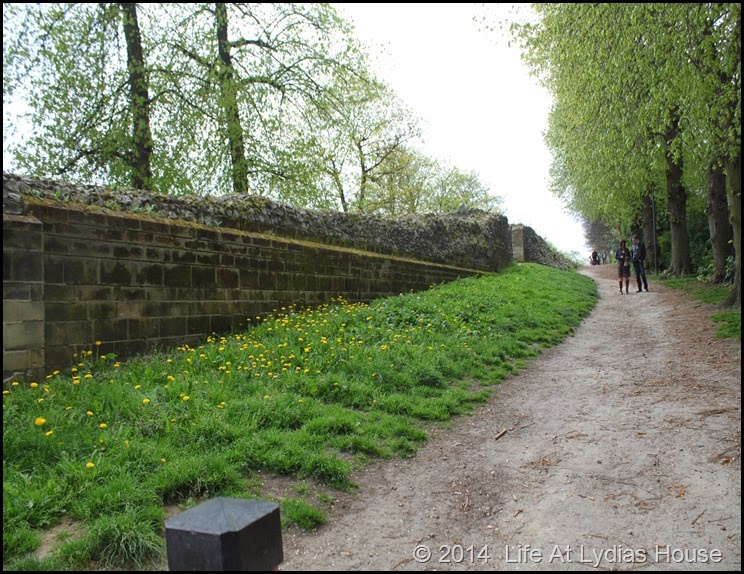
pixel 638 257
pixel 623 265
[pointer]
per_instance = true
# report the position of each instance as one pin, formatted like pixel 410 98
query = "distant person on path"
pixel 595 258
pixel 623 265
pixel 638 256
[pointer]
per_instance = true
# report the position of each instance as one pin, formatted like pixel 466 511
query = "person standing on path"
pixel 638 256
pixel 623 265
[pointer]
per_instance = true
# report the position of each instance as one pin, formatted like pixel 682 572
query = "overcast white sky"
pixel 480 108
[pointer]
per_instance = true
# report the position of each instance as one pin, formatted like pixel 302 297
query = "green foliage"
pixel 639 90
pixel 19 541
pixel 32 564
pixel 126 539
pixel 272 99
pixel 300 513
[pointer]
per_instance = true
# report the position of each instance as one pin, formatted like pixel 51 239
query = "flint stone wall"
pixel 468 238
pixel 528 246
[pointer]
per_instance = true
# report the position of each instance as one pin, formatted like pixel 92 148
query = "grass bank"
pixel 309 393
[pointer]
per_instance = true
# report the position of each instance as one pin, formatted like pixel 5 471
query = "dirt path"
pixel 621 452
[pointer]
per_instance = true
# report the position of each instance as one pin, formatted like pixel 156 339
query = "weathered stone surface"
pixel 225 534
pixel 467 238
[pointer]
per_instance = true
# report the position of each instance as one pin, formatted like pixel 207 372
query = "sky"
pixel 479 107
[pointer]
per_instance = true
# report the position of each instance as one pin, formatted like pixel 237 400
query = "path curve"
pixel 621 452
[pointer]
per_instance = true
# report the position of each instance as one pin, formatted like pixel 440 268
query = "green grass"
pixel 311 394
pixel 729 320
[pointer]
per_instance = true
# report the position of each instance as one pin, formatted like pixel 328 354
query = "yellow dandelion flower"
pixel 6 392
pixel 102 426
pixel 40 401
pixel 89 413
pixel 146 401
pixel 48 433
pixel 15 383
pixel 162 460
pixel 34 385
pixel 90 465
pixel 185 397
pixel 98 343
pixel 137 386
pixel 67 408
pixel 39 421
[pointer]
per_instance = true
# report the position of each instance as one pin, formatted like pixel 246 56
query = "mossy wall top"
pixel 467 238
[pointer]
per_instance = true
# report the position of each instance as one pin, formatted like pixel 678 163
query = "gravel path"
pixel 621 451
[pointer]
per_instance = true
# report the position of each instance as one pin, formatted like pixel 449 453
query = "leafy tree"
pixel 362 129
pixel 139 99
pixel 251 77
pixel 646 97
pixel 221 96
pixel 410 182
pixel 74 67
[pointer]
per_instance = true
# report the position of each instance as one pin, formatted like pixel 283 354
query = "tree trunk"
pixel 139 100
pixel 229 103
pixel 733 191
pixel 718 222
pixel 649 231
pixel 681 263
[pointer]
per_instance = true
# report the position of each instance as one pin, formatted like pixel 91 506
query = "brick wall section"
pixel 23 292
pixel 75 274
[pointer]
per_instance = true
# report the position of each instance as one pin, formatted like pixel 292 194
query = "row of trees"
pixel 271 99
pixel 646 119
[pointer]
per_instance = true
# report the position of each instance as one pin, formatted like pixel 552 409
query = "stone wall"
pixel 528 246
pixel 468 238
pixel 137 271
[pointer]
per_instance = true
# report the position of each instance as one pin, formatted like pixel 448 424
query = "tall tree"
pixel 358 139
pixel 718 222
pixel 70 63
pixel 636 88
pixel 219 95
pixel 409 182
pixel 139 98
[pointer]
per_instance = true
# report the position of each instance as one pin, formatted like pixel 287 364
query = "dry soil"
pixel 617 450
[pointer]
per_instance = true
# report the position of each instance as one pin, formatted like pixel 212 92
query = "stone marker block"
pixel 225 534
